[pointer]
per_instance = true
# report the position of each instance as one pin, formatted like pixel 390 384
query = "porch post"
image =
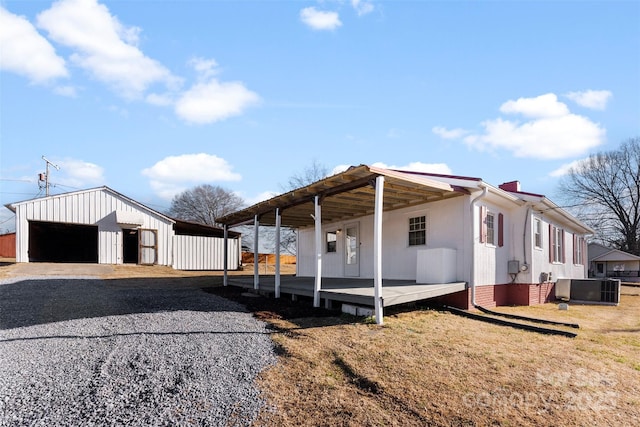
pixel 377 249
pixel 318 225
pixel 277 279
pixel 225 254
pixel 256 273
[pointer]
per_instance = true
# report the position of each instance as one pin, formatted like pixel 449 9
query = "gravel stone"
pixel 127 352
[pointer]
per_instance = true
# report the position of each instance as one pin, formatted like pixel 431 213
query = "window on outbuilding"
pixel 418 230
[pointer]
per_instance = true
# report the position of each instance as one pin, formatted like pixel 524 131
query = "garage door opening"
pixel 58 242
pixel 130 246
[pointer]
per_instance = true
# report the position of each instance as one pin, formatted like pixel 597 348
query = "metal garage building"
pixel 102 226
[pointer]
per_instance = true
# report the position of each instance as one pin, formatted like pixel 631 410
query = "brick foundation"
pixel 500 295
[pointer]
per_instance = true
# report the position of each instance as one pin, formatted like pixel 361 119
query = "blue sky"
pixel 154 97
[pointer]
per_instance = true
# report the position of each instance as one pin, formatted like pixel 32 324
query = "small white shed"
pixel 102 226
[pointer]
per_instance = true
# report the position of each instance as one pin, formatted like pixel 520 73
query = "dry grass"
pixel 9 268
pixel 428 367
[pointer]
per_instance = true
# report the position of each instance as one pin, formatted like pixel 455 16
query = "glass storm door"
pixel 352 251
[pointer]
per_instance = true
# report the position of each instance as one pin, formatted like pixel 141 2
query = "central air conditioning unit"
pixel 589 291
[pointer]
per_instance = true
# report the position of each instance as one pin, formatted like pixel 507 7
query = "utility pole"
pixel 45 176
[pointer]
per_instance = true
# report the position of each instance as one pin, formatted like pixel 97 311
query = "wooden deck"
pixel 352 290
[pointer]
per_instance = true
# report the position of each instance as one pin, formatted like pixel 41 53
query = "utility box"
pixel 513 267
pixel 437 265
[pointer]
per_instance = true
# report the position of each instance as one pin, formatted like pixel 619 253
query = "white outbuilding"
pixel 100 225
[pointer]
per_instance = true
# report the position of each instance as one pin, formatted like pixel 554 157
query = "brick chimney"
pixel 510 186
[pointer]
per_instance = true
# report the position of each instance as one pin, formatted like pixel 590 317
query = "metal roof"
pixel 346 195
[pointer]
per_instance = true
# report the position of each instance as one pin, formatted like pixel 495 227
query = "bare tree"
pixel 605 193
pixel 312 173
pixel 204 204
pixel 288 239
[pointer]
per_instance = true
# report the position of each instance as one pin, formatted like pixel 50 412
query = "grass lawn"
pixel 430 367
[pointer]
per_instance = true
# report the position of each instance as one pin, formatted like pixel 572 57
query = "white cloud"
pixel 565 168
pixel 77 174
pixel 539 107
pixel 175 174
pixel 550 130
pixel 26 52
pixel 214 101
pixel 449 133
pixel 320 20
pixel 206 68
pixel 593 99
pixel 160 100
pixel 339 168
pixel 68 91
pixel 265 195
pixel 440 168
pixel 362 7
pixel 104 46
pixel 210 100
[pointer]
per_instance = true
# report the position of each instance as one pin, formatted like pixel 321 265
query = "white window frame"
pixel 491 228
pixel 422 220
pixel 334 241
pixel 558 249
pixel 579 246
pixel 537 233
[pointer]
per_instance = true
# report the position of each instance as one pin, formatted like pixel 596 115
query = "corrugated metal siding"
pixel 204 253
pixel 92 207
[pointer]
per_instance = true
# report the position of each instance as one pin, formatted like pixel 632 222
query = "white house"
pixel 607 262
pixel 509 246
pixel 102 226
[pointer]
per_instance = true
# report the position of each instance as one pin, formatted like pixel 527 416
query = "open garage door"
pixel 58 242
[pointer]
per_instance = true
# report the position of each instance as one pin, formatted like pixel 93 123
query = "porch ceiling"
pixel 346 195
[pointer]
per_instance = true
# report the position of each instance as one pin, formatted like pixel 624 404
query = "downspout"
pixel 472 280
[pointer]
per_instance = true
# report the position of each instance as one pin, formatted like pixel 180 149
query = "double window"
pixel 418 230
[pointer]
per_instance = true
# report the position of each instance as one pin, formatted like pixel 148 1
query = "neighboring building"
pixel 509 246
pixel 613 263
pixel 8 245
pixel 102 226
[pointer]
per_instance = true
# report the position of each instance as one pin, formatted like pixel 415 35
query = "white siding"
pixel 92 207
pixel 491 259
pixel 204 253
pixel 445 229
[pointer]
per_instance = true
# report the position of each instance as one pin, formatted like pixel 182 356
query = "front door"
pixel 352 251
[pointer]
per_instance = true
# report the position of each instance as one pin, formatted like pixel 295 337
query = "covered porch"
pixel 357 192
pixel 353 291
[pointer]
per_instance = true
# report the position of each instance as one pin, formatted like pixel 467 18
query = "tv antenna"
pixel 45 176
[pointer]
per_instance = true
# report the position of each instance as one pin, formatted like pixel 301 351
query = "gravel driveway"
pixel 127 352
